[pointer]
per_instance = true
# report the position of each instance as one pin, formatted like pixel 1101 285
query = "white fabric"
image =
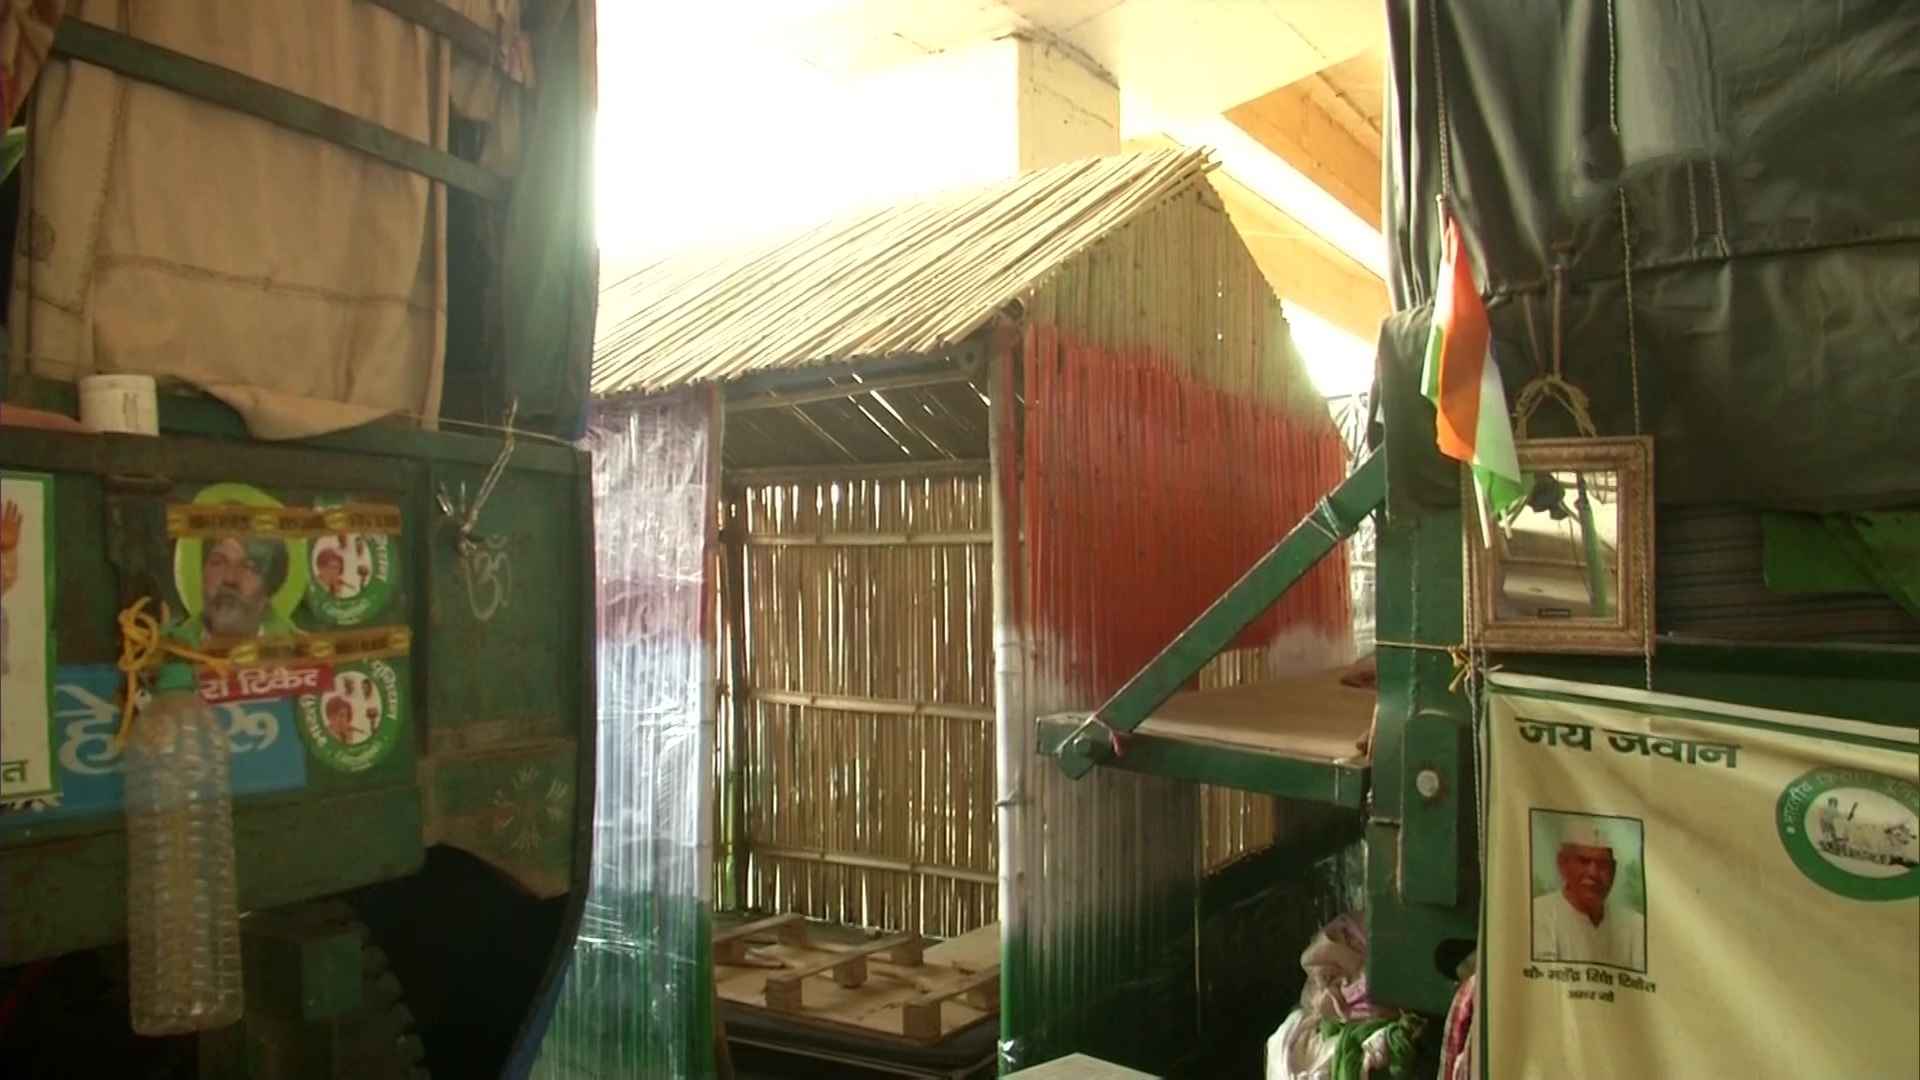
pixel 1334 962
pixel 297 280
pixel 1298 1052
pixel 1563 934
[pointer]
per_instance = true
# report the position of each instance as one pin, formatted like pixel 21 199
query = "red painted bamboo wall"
pixel 1147 493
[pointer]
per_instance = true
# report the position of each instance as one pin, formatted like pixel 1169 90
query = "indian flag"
pixel 1463 382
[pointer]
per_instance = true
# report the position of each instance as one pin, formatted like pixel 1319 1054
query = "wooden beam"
pixel 730 946
pixel 848 967
pixel 1314 127
pixel 920 1017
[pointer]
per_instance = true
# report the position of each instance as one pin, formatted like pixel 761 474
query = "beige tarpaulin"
pixel 299 281
pixel 1680 888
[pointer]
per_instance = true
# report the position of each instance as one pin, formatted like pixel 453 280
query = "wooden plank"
pixel 848 967
pixel 875 1008
pixel 921 1017
pixel 730 946
pixel 1313 717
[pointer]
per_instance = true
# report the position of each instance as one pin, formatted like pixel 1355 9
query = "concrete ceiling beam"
pixel 1313 127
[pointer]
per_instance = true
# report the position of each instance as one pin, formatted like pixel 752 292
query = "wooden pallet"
pixel 897 986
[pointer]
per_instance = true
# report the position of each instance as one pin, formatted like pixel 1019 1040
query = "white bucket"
pixel 128 404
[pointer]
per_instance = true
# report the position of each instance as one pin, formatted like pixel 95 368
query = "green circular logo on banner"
pixel 350 576
pixel 356 723
pixel 1853 833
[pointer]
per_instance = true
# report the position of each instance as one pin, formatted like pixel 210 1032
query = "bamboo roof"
pixel 914 277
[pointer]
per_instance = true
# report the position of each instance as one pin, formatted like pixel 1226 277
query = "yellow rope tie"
pixel 144 647
pixel 1463 662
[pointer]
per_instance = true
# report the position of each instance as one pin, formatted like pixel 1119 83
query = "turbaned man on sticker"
pixel 238 579
pixel 1577 924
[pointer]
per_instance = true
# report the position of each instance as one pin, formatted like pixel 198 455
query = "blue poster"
pixel 267 752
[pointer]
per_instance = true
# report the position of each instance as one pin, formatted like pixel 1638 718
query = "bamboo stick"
pixel 886 864
pixel 871 539
pixel 786 475
pixel 960 374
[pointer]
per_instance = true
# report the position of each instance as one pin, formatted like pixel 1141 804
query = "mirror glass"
pixel 1557 558
pixel 1571 568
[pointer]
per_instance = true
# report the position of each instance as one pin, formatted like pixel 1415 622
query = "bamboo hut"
pixel 976 457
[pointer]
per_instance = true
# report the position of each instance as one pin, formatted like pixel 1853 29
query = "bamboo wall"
pixel 866 760
pixel 1169 436
pixel 866 757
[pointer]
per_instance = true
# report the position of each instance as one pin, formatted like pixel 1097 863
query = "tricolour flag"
pixel 1463 382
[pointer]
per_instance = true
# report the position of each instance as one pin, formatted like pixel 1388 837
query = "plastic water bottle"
pixel 183 915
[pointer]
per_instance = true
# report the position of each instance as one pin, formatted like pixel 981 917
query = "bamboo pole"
pixel 1012 749
pixel 782 475
pixel 961 373
pixel 870 706
pixel 875 862
pixel 739 692
pixel 710 701
pixel 870 539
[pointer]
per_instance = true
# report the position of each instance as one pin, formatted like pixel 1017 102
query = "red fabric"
pixel 1460 317
pixel 1457 1059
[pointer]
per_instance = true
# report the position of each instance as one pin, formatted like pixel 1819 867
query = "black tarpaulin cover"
pixel 1769 152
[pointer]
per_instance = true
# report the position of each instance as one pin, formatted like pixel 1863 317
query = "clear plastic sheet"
pixel 637 1003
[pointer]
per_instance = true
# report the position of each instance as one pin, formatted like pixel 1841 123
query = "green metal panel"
pixel 490 753
pixel 1339 514
pixel 298 970
pixel 67 891
pixel 1410 947
pixel 1420 895
pixel 510 805
pixel 184 74
pixel 495 598
pixel 1436 821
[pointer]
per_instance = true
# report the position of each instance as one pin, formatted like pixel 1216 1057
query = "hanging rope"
pixel 144 648
pixel 1643 540
pixel 1553 385
pixel 1440 103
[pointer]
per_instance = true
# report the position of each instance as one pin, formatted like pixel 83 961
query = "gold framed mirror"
pixel 1570 570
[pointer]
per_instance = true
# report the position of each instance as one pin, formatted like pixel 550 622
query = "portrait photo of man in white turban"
pixel 1583 913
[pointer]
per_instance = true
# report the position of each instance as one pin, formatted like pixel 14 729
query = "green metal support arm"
pixel 1331 523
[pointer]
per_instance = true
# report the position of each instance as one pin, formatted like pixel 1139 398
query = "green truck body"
pixel 434 846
